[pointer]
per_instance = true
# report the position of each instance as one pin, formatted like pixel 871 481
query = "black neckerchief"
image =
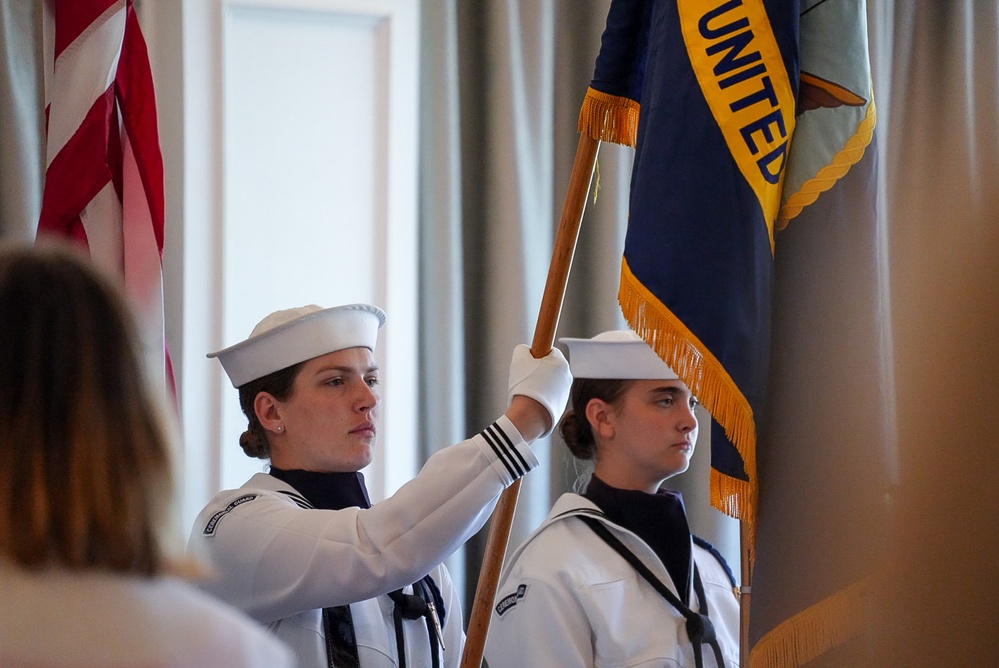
pixel 330 491
pixel 658 519
pixel 337 491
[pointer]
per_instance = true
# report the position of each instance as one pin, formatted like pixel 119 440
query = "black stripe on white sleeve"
pixel 505 451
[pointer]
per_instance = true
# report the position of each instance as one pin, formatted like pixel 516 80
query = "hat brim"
pixel 304 338
pixel 616 359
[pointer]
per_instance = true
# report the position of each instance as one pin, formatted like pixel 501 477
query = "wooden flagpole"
pixel 745 590
pixel 544 340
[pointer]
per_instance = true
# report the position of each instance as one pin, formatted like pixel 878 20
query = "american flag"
pixel 104 168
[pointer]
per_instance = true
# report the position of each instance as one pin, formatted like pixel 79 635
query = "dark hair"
pixel 280 385
pixel 85 448
pixel 575 427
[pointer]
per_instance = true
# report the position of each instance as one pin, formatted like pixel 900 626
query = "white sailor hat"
pixel 618 354
pixel 295 335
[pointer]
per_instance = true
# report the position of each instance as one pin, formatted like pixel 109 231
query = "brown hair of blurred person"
pixel 85 452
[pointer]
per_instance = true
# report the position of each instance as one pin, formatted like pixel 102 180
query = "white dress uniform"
pixel 568 599
pixel 284 564
pixel 59 618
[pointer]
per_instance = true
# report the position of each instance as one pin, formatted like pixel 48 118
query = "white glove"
pixel 546 380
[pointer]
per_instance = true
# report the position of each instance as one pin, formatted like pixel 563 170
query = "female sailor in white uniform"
pixel 613 577
pixel 301 549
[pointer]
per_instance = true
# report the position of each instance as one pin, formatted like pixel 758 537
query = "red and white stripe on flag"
pixel 104 167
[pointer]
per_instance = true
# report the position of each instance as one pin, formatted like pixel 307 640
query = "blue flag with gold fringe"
pixel 705 92
pixel 711 94
pixel 743 113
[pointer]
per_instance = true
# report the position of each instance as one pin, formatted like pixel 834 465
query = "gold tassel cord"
pixel 610 118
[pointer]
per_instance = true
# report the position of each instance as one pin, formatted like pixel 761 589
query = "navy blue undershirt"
pixel 327 491
pixel 658 519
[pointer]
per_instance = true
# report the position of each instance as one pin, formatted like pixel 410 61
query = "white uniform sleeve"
pixel 274 559
pixel 542 624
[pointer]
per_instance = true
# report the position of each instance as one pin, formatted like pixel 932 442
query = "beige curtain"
pixel 877 546
pixel 943 167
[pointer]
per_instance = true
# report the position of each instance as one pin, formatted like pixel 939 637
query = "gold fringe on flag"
pixel 826 178
pixel 736 498
pixel 610 118
pixel 816 629
pixel 707 380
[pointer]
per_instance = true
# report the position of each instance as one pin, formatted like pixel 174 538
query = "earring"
pixel 280 428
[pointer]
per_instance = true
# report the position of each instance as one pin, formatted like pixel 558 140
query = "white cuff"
pixel 509 453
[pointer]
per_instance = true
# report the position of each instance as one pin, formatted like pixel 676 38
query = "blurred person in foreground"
pixel 87 572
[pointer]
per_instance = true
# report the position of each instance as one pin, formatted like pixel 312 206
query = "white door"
pixel 289 131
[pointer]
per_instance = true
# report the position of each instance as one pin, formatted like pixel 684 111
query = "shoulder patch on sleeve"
pixel 508 602
pixel 213 522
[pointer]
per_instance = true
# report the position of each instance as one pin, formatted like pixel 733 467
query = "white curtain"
pixel 442 346
pixel 22 161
